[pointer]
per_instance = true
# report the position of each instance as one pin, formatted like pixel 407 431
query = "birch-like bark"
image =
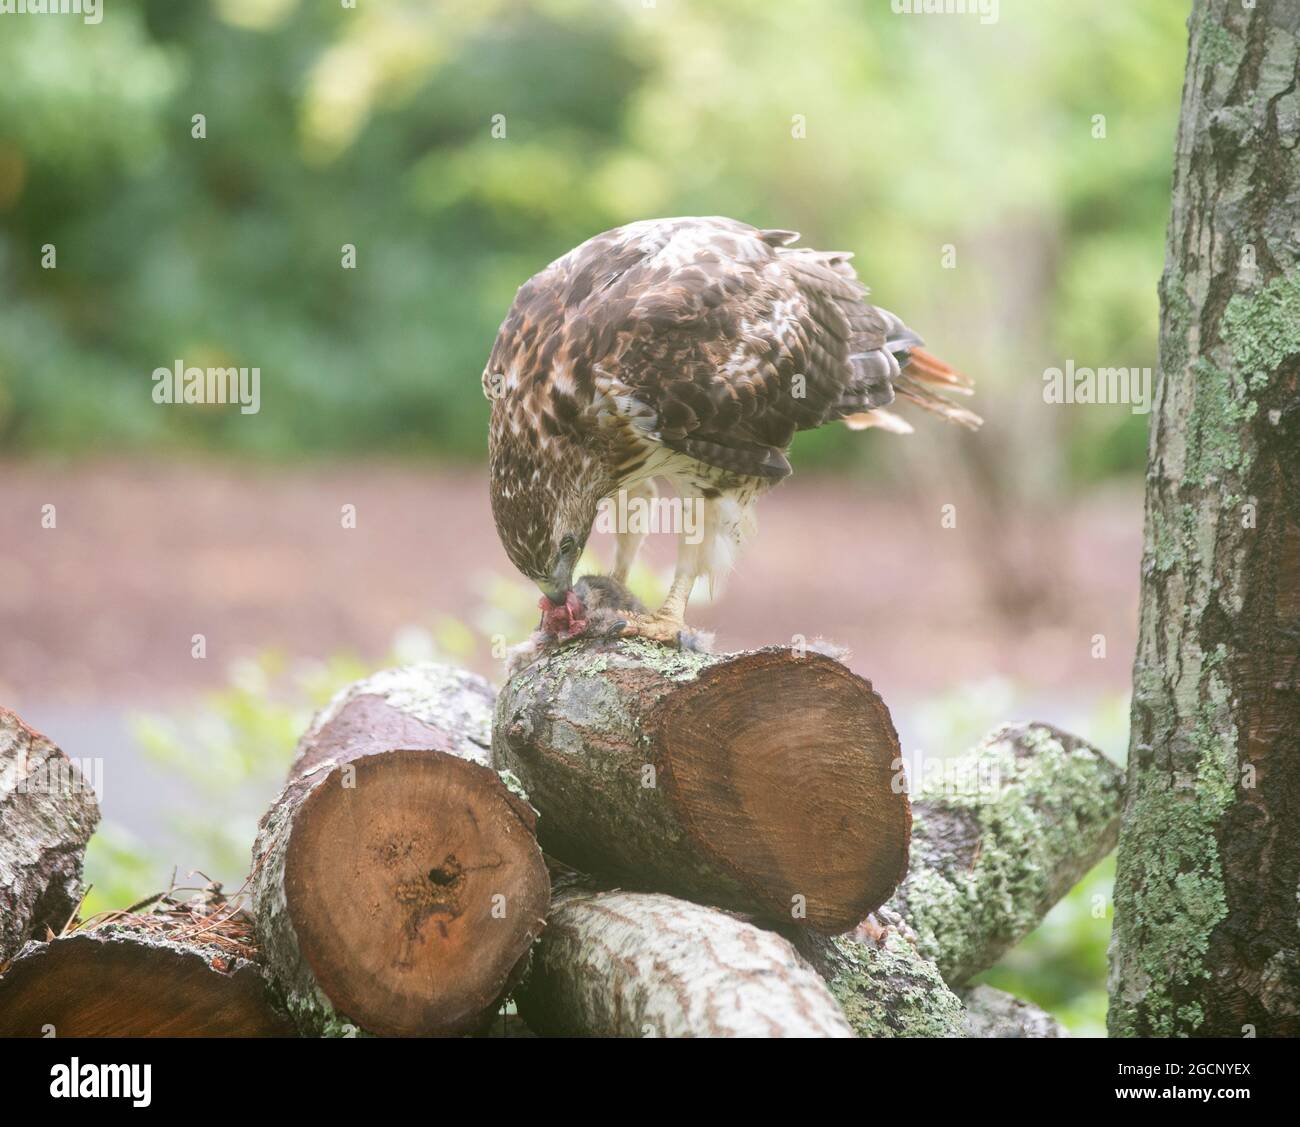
pixel 995 1013
pixel 642 964
pixel 48 811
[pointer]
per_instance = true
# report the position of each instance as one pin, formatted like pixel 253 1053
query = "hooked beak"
pixel 560 582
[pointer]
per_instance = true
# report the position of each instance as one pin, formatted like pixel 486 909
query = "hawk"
pixel 689 350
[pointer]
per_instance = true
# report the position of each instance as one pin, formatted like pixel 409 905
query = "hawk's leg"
pixel 666 624
pixel 694 548
pixel 640 499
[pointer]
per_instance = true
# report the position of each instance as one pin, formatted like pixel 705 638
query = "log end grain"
pixel 784 768
pixel 415 891
pixel 116 982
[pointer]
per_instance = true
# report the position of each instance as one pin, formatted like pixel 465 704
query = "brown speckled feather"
pixel 702 336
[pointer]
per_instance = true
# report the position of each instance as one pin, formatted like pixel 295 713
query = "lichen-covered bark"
pixel 582 709
pixel 1000 839
pixel 638 964
pixel 884 985
pixel 292 979
pixel 1207 935
pixel 995 1013
pixel 757 781
pixel 47 814
pixel 1004 833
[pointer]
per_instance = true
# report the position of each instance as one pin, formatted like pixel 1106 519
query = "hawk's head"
pixel 544 509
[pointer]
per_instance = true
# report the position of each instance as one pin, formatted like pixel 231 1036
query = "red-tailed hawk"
pixel 691 350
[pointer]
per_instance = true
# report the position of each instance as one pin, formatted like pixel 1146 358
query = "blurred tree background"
pixel 1005 184
pixel 373 126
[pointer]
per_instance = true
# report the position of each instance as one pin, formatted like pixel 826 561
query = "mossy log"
pixel 397 882
pixel 884 985
pixel 636 964
pixel 763 782
pixel 141 975
pixel 48 811
pixel 1000 838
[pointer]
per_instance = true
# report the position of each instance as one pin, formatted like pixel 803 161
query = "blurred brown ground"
pixel 146 554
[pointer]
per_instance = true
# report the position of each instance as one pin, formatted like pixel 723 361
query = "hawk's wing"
pixel 734 341
pixel 712 337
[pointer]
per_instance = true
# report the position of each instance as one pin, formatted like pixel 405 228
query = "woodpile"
pixel 627 841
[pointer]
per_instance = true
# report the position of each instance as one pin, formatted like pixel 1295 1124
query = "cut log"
pixel 397 882
pixel 884 985
pixel 1000 838
pixel 762 781
pixel 995 1013
pixel 166 973
pixel 635 964
pixel 48 811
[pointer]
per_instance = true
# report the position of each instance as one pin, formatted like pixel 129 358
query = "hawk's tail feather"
pixel 885 420
pixel 922 374
pixel 928 368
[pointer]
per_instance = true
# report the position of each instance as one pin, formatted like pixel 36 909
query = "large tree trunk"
pixel 47 814
pixel 396 880
pixel 1206 939
pixel 765 782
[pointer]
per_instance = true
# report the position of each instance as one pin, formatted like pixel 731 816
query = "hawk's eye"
pixel 567 545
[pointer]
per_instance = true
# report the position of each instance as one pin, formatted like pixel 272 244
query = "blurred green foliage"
pixel 373 126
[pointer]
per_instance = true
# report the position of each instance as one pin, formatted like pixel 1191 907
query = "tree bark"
pixel 883 983
pixel 397 882
pixel 995 1013
pixel 758 781
pixel 47 814
pixel 171 972
pixel 1000 838
pixel 1206 938
pixel 635 964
